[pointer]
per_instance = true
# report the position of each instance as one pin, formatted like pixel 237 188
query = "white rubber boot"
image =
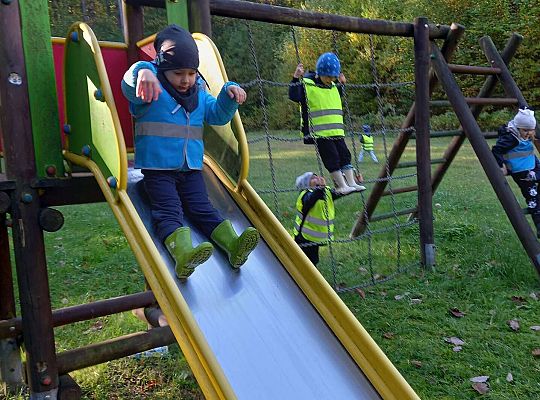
pixel 349 178
pixel 340 184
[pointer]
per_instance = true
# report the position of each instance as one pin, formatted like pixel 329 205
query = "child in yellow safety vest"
pixel 367 144
pixel 322 118
pixel 314 221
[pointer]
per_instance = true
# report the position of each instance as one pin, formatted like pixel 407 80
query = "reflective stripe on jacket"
pixel 521 157
pixel 318 224
pixel 367 142
pixel 325 109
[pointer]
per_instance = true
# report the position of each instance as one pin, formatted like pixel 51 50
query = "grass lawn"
pixel 482 273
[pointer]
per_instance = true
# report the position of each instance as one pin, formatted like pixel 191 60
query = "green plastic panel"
pixel 90 110
pixel 220 142
pixel 177 13
pixel 41 86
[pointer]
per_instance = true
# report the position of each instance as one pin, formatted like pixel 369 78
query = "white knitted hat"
pixel 525 119
pixel 302 181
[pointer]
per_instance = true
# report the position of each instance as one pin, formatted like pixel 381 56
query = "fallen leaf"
pixel 535 328
pixel 361 293
pixel 534 296
pixel 388 335
pixel 480 379
pixel 416 301
pixel 456 313
pixel 536 352
pixel 341 285
pixel 454 340
pixel 416 363
pixel 457 349
pixel 481 387
pixel 518 299
pixel 401 296
pixel 384 293
pixel 96 326
pixel 362 270
pixel 513 324
pixel 509 377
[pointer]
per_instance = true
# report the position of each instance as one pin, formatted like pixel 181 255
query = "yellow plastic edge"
pixel 200 357
pixel 239 132
pixel 102 43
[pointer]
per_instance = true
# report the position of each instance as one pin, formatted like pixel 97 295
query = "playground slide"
pixel 273 330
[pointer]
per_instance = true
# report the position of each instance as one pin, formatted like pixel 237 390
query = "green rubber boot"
pixel 236 247
pixel 187 258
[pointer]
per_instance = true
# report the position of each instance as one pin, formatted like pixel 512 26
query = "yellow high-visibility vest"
pixel 367 143
pixel 319 222
pixel 325 110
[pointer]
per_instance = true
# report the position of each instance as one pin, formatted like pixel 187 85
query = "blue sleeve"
pixel 221 110
pixel 129 82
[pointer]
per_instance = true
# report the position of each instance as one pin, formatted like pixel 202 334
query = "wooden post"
pixel 199 17
pixel 423 150
pixel 134 24
pixel 29 249
pixel 308 19
pixel 11 377
pixel 113 349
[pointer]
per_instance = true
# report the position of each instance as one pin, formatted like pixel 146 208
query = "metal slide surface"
pixel 267 337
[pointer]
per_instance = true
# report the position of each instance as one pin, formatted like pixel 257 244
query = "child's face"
pixel 327 80
pixel 317 181
pixel 181 79
pixel 527 134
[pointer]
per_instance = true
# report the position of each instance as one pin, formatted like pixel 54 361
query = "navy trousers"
pixel 174 194
pixel 334 153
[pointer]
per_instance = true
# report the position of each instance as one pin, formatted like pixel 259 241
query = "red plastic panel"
pixel 116 63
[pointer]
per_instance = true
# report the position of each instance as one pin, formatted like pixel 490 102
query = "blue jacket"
pixel 517 154
pixel 167 136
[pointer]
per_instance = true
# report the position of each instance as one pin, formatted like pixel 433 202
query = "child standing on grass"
pixel 314 222
pixel 170 105
pixel 320 104
pixel 514 152
pixel 367 144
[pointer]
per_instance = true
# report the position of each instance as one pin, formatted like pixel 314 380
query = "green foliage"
pixel 276 52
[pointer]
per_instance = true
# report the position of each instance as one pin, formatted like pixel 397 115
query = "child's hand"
pixel 342 79
pixel 359 177
pixel 504 170
pixel 237 93
pixel 148 86
pixel 299 71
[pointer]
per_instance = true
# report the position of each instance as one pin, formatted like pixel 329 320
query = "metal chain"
pixel 265 115
pixel 380 107
pixel 349 124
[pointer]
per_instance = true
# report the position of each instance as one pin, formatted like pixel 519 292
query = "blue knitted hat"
pixel 367 129
pixel 328 65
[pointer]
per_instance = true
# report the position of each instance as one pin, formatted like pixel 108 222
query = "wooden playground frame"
pixel 33 179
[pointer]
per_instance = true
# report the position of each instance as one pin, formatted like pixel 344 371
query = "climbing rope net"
pixel 278 154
